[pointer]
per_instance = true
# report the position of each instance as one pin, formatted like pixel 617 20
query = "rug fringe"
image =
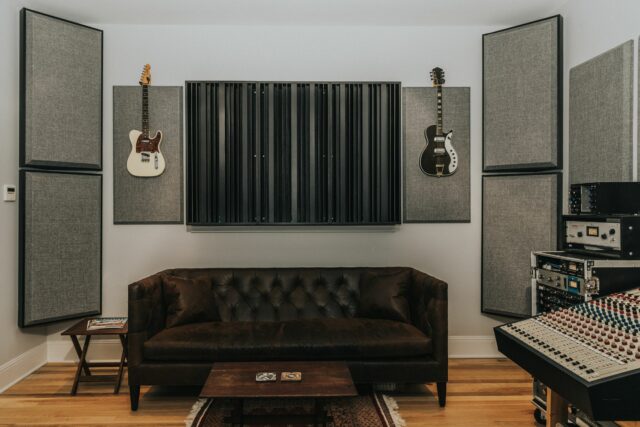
pixel 195 409
pixel 394 410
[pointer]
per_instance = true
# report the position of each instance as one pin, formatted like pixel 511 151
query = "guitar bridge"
pixel 145 157
pixel 439 170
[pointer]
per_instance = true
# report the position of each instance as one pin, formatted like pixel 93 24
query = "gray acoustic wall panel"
pixel 601 117
pixel 148 200
pixel 522 97
pixel 519 215
pixel 429 199
pixel 60 246
pixel 61 93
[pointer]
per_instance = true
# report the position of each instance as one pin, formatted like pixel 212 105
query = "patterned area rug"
pixel 375 410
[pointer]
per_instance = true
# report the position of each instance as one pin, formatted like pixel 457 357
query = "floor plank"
pixel 481 393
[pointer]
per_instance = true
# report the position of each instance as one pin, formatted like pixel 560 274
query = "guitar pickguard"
pixel 146 159
pixel 448 146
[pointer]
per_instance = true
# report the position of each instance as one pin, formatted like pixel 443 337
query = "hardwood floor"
pixel 487 392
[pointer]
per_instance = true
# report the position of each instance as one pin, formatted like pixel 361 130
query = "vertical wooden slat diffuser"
pixel 262 153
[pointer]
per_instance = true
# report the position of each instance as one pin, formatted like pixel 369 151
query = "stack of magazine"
pixel 106 323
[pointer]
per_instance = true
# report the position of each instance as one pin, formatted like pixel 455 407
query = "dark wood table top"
pixel 80 328
pixel 319 379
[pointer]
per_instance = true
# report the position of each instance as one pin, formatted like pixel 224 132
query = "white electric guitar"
pixel 146 159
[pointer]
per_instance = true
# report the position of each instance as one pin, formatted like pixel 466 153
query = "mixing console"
pixel 588 351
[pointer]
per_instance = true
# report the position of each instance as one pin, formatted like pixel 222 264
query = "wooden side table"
pixel 79 329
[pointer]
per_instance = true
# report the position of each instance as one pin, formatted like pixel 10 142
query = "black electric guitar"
pixel 439 157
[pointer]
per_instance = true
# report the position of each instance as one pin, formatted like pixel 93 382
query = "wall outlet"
pixel 9 193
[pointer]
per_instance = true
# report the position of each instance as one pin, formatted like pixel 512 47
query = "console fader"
pixel 588 353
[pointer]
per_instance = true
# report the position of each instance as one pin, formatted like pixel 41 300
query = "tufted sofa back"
pixel 280 294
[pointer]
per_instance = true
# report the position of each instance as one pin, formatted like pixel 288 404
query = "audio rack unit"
pixel 611 236
pixel 605 198
pixel 562 279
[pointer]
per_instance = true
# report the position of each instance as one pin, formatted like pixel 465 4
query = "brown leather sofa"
pixel 291 314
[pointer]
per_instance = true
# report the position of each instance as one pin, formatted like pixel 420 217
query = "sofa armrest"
pixel 146 315
pixel 429 312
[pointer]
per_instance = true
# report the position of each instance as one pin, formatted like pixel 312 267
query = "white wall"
pixel 178 53
pixel 13 341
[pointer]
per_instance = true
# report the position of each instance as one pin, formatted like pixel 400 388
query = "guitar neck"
pixel 439 123
pixel 145 110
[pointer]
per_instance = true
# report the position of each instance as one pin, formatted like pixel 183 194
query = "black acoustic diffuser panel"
pixel 262 153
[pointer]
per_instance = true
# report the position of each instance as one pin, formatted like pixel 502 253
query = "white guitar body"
pixel 452 152
pixel 145 163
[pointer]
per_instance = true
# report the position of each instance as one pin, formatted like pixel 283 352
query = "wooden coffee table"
pixel 320 380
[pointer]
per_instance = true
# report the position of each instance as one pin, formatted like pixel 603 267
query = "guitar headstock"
pixel 145 77
pixel 437 76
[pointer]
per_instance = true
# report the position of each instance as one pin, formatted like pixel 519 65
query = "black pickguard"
pixel 429 159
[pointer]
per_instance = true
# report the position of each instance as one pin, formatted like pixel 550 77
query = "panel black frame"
pixel 22 109
pixel 559 202
pixel 533 167
pixel 22 255
pixel 297 202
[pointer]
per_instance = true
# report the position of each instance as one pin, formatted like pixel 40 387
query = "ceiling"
pixel 299 12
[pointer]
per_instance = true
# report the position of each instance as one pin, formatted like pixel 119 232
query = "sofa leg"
pixel 134 396
pixel 442 394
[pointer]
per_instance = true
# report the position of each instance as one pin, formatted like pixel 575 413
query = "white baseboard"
pixel 21 366
pixel 460 347
pixel 473 347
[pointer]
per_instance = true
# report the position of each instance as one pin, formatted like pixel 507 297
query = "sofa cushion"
pixel 189 301
pixel 384 296
pixel 316 339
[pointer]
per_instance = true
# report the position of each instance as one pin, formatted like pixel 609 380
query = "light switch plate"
pixel 9 193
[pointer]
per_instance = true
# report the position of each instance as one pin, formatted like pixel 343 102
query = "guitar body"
pixel 439 158
pixel 146 159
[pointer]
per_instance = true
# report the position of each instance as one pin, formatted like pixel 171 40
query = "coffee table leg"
pixel 319 414
pixel 81 364
pixel 237 414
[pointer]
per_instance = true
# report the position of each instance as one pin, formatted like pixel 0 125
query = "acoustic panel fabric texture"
pixel 522 82
pixel 601 117
pixel 519 215
pixel 426 198
pixel 61 97
pixel 61 256
pixel 148 200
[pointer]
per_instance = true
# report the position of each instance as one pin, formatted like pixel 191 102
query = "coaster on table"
pixel 264 377
pixel 291 376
